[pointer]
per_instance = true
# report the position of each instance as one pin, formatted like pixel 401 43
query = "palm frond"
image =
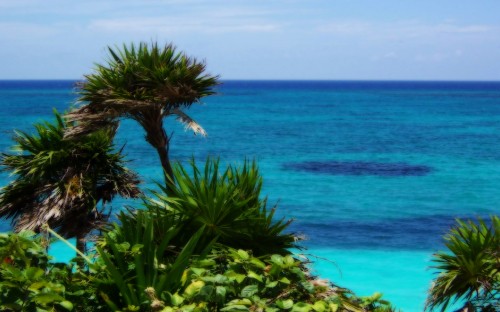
pixel 189 123
pixel 227 202
pixel 470 269
pixel 60 181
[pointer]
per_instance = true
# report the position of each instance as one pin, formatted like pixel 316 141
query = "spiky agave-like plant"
pixel 470 269
pixel 227 203
pixel 146 83
pixel 61 182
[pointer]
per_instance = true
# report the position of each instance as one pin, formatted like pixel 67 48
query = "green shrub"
pixel 137 255
pixel 28 282
pixel 234 280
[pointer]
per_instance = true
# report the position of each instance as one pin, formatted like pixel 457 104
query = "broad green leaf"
pixel 193 288
pixel 221 279
pixel 289 261
pixel 285 304
pixel 136 248
pixel 66 304
pixel 206 292
pixel 220 292
pixel 177 299
pixel 272 284
pixel 239 278
pixel 254 275
pixel 235 307
pixel 320 306
pixel 48 298
pixel 33 273
pixel 275 270
pixel 206 263
pixel 123 246
pixel 198 271
pixel 244 301
pixel 285 280
pixel 277 259
pixel 301 307
pixel 258 263
pixel 243 254
pixel 249 291
pixel 37 285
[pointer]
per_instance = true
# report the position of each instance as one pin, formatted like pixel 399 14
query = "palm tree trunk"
pixel 157 137
pixel 165 163
pixel 80 243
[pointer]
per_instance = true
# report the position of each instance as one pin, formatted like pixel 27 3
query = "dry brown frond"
pixel 189 123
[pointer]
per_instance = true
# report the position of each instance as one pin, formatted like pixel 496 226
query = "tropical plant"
pixel 145 83
pixel 227 203
pixel 235 280
pixel 63 183
pixel 28 282
pixel 470 269
pixel 136 260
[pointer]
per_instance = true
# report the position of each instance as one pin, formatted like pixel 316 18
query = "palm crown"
pixel 59 182
pixel 145 83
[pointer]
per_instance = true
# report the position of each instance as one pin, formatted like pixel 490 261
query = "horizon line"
pixel 286 80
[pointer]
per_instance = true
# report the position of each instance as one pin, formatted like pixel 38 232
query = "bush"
pixel 137 255
pixel 234 280
pixel 179 255
pixel 28 282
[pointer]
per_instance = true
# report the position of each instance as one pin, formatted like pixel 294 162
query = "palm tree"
pixel 470 270
pixel 146 83
pixel 61 182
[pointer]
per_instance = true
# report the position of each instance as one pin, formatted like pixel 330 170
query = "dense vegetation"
pixel 205 241
pixel 154 259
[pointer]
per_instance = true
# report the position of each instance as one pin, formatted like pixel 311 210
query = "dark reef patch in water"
pixel 418 233
pixel 360 168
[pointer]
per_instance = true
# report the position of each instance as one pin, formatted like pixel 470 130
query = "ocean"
pixel 373 173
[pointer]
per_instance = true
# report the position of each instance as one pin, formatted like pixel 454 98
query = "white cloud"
pixel 19 30
pixel 346 27
pixel 402 29
pixel 175 25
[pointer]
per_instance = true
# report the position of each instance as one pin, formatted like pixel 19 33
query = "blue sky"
pixel 257 39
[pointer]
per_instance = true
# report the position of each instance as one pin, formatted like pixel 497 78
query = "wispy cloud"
pixel 176 25
pixel 260 38
pixel 407 29
pixel 18 30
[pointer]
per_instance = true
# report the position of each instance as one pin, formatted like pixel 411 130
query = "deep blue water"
pixel 372 172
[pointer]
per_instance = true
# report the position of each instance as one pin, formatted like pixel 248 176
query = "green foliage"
pixel 227 203
pixel 144 82
pixel 134 270
pixel 28 282
pixel 59 182
pixel 136 258
pixel 234 280
pixel 149 73
pixel 470 269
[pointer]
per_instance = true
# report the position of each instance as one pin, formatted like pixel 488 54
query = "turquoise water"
pixel 374 173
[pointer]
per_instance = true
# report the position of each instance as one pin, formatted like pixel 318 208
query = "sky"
pixel 260 39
